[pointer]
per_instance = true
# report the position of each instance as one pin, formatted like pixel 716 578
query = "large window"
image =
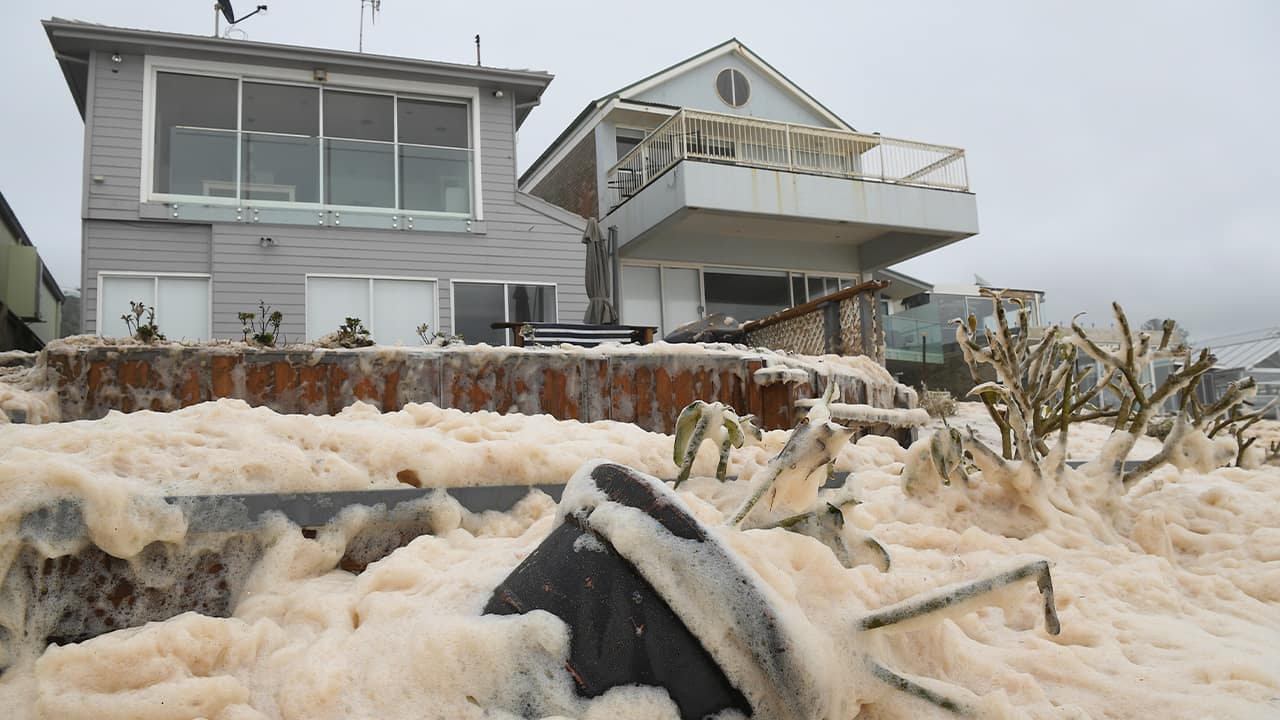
pixel 477 304
pixel 181 303
pixel 391 308
pixel 250 140
pixel 668 296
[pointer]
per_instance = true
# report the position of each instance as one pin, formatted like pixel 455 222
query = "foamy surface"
pixel 1169 598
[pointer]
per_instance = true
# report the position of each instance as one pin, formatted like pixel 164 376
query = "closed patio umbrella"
pixel 599 310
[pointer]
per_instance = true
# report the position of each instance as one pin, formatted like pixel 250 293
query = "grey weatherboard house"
pixel 328 184
pixel 727 188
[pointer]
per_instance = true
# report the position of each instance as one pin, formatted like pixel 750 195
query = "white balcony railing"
pixel 748 142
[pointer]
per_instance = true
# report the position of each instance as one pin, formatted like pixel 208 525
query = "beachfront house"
pixel 219 173
pixel 726 188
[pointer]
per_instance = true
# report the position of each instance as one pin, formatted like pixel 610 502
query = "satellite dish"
pixel 227 12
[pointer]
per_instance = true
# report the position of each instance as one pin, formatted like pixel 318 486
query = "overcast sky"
pixel 1119 150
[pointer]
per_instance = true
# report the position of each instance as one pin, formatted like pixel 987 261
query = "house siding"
pixel 515 242
pixel 115 140
pixel 113 246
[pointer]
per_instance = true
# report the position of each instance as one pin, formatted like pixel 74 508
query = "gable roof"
pixel 732 45
pixel 628 93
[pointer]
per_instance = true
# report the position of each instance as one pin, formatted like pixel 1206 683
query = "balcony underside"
pixel 709 212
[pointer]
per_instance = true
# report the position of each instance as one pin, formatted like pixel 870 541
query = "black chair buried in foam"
pixel 652 597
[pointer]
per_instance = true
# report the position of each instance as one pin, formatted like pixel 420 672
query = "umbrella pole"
pixel 614 271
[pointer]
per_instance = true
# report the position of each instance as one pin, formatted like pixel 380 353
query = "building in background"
pixel 328 184
pixel 1253 354
pixel 920 339
pixel 30 300
pixel 729 189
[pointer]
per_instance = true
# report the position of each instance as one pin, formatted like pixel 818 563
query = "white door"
pixel 681 297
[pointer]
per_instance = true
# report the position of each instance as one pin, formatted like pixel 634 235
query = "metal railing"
pixel 735 140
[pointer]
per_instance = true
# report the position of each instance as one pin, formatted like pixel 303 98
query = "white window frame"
pixel 338 82
pixel 805 274
pixel 306 297
pixel 155 276
pixel 506 301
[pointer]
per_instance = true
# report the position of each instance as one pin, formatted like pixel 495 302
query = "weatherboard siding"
pixel 115 138
pixel 112 246
pixel 520 239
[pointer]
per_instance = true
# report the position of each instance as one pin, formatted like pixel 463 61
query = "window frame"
pixel 337 82
pixel 155 276
pixel 506 298
pixel 306 297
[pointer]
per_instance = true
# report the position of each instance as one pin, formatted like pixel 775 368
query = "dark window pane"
pixel 280 167
pixel 195 150
pixel 798 296
pixel 475 306
pixel 435 179
pixel 744 296
pixel 358 116
pixel 724 86
pixel 732 87
pixel 532 303
pixel 433 123
pixel 626 145
pixel 281 109
pixel 359 173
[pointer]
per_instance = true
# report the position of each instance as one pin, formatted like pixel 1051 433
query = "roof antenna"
pixel 222 9
pixel 477 50
pixel 374 7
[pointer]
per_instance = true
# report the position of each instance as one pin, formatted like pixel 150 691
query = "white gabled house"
pixel 727 188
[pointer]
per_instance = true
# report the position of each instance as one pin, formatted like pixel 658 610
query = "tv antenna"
pixel 222 9
pixel 374 7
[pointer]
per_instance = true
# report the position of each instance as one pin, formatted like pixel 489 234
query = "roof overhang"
pixel 73 41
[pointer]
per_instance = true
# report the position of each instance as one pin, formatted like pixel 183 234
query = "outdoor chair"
pixel 576 334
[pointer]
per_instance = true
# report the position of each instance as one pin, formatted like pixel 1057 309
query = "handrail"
pixel 751 142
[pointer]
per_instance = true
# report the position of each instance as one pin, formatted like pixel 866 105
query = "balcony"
pixel 718 178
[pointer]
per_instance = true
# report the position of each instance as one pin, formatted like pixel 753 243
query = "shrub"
pixel 262 328
pixel 147 332
pixel 938 403
pixel 353 334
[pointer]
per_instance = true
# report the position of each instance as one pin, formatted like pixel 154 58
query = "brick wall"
pixel 644 388
pixel 572 184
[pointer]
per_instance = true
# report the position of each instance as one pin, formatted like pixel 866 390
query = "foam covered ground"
pixel 1169 598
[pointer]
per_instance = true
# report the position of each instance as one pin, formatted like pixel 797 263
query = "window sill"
pixel 204 212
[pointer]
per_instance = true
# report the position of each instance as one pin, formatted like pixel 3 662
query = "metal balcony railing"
pixel 748 142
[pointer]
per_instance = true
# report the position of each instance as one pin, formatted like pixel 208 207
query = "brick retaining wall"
pixel 647 389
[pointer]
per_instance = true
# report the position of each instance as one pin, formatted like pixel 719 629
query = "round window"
pixel 732 87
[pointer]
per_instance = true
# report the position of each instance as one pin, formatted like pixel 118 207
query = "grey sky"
pixel 1126 150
